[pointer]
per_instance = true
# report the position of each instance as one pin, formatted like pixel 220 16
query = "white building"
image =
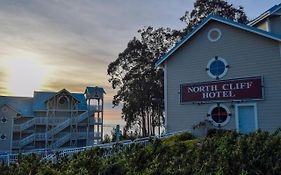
pixel 51 120
pixel 227 74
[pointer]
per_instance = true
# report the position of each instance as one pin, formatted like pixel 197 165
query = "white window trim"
pixel 4 138
pixel 2 121
pixel 225 70
pixel 212 30
pixel 215 123
pixel 237 117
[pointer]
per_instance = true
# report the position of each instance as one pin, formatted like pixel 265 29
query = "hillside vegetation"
pixel 221 152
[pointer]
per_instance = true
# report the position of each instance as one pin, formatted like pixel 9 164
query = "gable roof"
pixel 62 91
pixel 91 91
pixel 265 14
pixel 40 97
pixel 222 20
pixel 22 105
pixel 12 108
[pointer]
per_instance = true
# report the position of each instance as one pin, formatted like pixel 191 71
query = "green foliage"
pixel 204 8
pixel 224 152
pixel 178 138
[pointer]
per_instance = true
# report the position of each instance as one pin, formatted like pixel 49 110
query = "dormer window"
pixel 63 100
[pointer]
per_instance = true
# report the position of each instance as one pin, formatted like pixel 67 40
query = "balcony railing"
pixel 59 142
pixel 39 121
pixel 62 122
pixel 40 136
pixel 66 123
pixel 94 108
pixel 25 125
pixel 24 141
pixel 58 128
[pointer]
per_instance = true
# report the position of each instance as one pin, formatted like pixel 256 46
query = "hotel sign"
pixel 234 89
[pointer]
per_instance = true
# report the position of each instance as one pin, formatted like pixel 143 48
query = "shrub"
pixel 222 152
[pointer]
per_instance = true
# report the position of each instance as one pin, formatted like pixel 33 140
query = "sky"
pixel 49 45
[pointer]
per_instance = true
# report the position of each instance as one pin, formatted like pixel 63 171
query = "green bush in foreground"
pixel 221 152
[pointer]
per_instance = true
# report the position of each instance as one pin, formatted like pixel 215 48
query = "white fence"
pixel 50 155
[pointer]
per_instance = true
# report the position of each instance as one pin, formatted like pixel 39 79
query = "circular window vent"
pixel 219 115
pixel 214 34
pixel 63 100
pixel 3 137
pixel 217 67
pixel 3 120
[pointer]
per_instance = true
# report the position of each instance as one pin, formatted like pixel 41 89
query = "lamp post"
pixel 117 134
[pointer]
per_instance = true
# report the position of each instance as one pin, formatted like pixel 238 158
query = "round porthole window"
pixel 214 34
pixel 3 137
pixel 62 100
pixel 219 115
pixel 3 120
pixel 217 67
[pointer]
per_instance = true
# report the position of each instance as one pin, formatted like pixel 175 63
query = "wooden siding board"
pixel 246 53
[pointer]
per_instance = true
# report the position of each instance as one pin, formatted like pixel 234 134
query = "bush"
pixel 222 152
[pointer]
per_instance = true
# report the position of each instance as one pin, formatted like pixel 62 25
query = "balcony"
pixel 39 121
pixel 40 136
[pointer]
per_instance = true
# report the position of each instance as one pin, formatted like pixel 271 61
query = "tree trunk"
pixel 143 126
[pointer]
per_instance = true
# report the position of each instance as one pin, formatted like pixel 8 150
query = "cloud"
pixel 76 40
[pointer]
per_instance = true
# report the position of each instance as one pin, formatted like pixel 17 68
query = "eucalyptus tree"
pixel 139 85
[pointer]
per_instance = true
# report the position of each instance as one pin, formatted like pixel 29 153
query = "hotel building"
pixel 225 74
pixel 51 120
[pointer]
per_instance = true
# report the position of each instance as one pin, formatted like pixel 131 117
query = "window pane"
pixel 219 114
pixel 217 67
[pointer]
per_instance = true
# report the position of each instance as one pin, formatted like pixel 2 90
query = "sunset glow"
pixel 25 75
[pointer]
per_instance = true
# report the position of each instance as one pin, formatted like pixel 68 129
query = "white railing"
pixel 25 125
pixel 82 117
pixel 50 120
pixel 41 120
pixel 61 141
pixel 49 155
pixel 26 140
pixel 48 134
pixel 40 136
pixel 38 120
pixel 65 124
pixel 58 128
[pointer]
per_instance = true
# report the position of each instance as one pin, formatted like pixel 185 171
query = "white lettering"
pixel 205 95
pixel 249 85
pixel 190 89
pixel 225 87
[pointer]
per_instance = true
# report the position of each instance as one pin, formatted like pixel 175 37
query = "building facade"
pixel 51 120
pixel 225 75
